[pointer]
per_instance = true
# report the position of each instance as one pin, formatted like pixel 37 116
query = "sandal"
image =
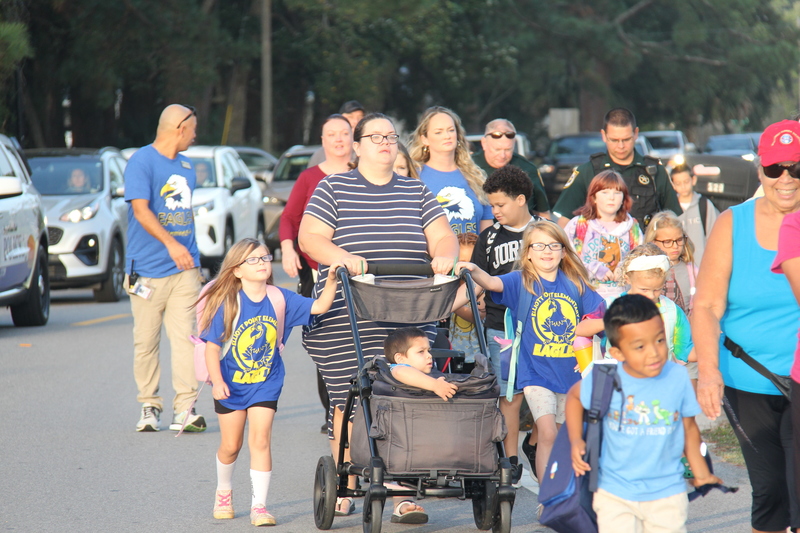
pixel 416 516
pixel 350 510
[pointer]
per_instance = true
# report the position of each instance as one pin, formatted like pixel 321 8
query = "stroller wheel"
pixel 325 492
pixel 373 515
pixel 484 506
pixel 502 523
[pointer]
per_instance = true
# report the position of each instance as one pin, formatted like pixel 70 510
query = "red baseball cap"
pixel 780 142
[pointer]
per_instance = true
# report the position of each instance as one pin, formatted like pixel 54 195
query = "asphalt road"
pixel 70 459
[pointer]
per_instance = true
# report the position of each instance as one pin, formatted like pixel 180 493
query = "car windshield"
pixel 206 175
pixel 729 143
pixel 290 167
pixel 55 176
pixel 667 140
pixel 256 160
pixel 576 146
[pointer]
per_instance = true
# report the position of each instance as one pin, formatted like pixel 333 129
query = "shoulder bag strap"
pixel 279 304
pixel 523 306
pixel 781 382
pixel 605 381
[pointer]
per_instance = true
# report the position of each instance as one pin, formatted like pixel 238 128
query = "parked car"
pixel 24 279
pixel 725 180
pixel 737 145
pixel 226 202
pixel 522 145
pixel 260 162
pixel 83 193
pixel 562 155
pixel 668 143
pixel 276 191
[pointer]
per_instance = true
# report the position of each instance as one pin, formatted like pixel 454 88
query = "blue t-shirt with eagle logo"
pixel 546 357
pixel 167 185
pixel 252 368
pixel 464 211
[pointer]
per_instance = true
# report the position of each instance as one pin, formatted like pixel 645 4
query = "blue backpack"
pixel 565 497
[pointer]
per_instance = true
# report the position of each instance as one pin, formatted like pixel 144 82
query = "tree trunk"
pixel 267 140
pixel 237 99
pixel 595 86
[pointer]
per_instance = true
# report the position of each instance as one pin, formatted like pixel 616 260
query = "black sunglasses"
pixel 776 171
pixel 192 113
pixel 499 134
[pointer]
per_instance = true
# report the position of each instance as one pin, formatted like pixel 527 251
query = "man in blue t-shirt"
pixel 162 266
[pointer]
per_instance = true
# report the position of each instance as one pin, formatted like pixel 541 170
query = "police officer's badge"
pixel 644 180
pixel 571 179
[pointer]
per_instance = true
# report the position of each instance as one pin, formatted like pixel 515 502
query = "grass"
pixel 723 442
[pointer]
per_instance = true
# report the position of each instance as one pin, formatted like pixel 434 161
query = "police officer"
pixel 647 181
pixel 497 151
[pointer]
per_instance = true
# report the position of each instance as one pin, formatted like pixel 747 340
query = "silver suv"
pixel 24 281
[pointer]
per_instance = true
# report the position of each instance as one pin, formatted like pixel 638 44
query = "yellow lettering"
pixel 553 350
pixel 254 376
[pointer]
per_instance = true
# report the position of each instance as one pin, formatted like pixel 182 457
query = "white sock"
pixel 260 483
pixel 224 475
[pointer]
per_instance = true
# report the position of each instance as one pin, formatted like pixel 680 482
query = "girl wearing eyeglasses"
pixel 563 306
pixel 439 145
pixel 666 231
pixel 248 377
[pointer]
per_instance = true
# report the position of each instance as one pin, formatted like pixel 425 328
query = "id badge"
pixel 142 290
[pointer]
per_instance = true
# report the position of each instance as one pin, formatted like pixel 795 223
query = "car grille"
pixel 54 235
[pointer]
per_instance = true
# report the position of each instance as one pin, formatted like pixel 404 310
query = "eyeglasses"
pixel 619 141
pixel 499 134
pixel 254 260
pixel 193 113
pixel 776 171
pixel 669 243
pixel 540 246
pixel 377 138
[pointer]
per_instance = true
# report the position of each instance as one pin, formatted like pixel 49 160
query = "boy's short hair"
pixel 399 341
pixel 511 180
pixel 681 168
pixel 625 310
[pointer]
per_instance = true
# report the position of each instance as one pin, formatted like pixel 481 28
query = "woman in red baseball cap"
pixel 743 327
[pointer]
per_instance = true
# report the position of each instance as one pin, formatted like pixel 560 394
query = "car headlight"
pixel 202 209
pixel 272 200
pixel 749 157
pixel 547 169
pixel 79 215
pixel 677 160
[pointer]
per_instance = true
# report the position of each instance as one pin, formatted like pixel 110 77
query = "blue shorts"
pixel 494 358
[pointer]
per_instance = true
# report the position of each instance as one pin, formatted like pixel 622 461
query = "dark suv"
pixel 564 153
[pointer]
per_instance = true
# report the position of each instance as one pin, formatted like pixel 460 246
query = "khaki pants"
pixel 616 515
pixel 169 306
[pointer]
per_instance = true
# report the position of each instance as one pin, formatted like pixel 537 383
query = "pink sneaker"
pixel 260 517
pixel 223 506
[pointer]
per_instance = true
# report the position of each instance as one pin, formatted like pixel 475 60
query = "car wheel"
pixel 113 288
pixel 36 309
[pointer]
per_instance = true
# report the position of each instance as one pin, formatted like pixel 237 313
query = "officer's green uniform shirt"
pixel 574 194
pixel 538 201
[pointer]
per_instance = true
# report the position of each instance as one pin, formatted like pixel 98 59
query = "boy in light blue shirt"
pixel 647 430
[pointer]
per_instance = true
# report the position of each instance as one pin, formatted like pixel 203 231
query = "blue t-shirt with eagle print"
pixel 546 357
pixel 167 185
pixel 252 368
pixel 464 211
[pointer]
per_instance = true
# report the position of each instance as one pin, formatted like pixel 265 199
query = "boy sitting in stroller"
pixel 409 352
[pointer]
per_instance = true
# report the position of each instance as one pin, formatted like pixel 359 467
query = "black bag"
pixel 782 383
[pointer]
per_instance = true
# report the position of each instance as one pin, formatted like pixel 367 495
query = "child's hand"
pixel 578 464
pixel 221 391
pixel 465 264
pixel 710 480
pixel 332 272
pixel 443 389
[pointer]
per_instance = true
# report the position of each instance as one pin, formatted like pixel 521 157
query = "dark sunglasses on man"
pixel 192 113
pixel 499 134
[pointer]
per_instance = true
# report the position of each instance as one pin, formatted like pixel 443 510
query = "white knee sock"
pixel 260 483
pixel 224 475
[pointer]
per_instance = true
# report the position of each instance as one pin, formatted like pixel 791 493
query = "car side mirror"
pixel 10 186
pixel 119 192
pixel 239 183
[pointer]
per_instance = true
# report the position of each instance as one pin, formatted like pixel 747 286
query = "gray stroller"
pixel 408 436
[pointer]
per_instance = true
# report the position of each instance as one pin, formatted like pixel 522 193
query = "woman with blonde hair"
pixel 439 145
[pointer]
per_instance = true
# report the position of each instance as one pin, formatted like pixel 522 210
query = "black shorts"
pixel 222 410
pixel 766 419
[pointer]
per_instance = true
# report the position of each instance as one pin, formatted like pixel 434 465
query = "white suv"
pixel 24 281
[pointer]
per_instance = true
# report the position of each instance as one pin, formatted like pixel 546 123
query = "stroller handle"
pixel 399 269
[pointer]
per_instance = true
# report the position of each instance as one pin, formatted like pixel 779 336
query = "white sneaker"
pixel 150 419
pixel 195 424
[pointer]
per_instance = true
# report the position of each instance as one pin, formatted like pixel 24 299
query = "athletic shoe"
pixel 260 517
pixel 516 469
pixel 530 452
pixel 195 424
pixel 223 505
pixel 150 419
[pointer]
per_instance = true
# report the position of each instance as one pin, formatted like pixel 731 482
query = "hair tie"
pixel 648 262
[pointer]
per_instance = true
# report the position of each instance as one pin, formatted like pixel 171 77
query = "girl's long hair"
pixel 668 219
pixel 474 175
pixel 570 264
pixel 607 179
pixel 226 286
